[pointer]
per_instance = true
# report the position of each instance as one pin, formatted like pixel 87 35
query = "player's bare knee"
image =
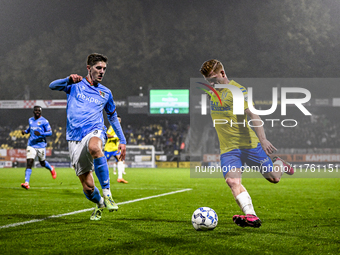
pixel 95 151
pixel 42 163
pixel 233 182
pixel 95 147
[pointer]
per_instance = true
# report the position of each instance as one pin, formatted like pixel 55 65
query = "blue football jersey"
pixel 43 126
pixel 85 104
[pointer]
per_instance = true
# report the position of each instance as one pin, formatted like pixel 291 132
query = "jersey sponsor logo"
pixel 214 107
pixel 89 99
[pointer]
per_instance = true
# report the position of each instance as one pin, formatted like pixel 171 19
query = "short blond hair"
pixel 212 65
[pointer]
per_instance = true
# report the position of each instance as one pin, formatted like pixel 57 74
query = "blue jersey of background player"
pixel 39 128
pixel 85 131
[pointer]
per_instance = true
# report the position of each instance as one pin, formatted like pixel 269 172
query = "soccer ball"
pixel 204 218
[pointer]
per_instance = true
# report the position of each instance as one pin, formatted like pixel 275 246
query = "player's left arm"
pixel 258 127
pixel 119 132
pixel 110 109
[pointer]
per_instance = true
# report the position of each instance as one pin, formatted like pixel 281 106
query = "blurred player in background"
pixel 239 144
pixel 85 131
pixel 39 128
pixel 111 149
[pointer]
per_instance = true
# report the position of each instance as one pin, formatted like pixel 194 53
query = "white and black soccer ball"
pixel 204 218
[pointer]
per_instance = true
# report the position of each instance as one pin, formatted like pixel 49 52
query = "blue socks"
pixel 48 166
pixel 28 173
pixel 94 197
pixel 102 171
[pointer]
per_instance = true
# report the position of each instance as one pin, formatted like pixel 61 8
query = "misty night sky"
pixel 20 19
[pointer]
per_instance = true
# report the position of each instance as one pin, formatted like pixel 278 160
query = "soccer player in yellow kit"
pixel 111 149
pixel 239 144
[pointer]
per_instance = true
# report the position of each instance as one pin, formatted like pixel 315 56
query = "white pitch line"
pixel 89 209
pixel 160 195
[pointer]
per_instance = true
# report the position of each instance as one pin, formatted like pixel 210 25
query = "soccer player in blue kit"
pixel 39 128
pixel 85 130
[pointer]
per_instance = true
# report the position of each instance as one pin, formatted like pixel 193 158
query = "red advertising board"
pixel 19 155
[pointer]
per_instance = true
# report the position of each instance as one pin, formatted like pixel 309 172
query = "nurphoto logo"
pixel 239 98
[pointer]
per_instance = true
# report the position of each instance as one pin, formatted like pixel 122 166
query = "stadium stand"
pixel 312 134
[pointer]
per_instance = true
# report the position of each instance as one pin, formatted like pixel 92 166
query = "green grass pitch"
pixel 299 215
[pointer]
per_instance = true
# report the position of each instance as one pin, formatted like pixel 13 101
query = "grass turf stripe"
pixel 90 209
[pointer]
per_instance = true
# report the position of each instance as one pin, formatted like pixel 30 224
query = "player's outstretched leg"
pixel 287 167
pixel 248 220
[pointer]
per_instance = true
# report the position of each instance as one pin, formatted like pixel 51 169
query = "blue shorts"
pixel 254 158
pixel 109 154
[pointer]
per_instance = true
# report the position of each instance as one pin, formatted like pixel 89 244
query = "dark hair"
pixel 93 58
pixel 37 106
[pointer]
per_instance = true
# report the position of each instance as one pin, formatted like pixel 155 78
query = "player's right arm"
pixel 258 127
pixel 61 84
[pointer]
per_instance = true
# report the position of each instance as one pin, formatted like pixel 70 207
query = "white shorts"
pixel 81 158
pixel 33 152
